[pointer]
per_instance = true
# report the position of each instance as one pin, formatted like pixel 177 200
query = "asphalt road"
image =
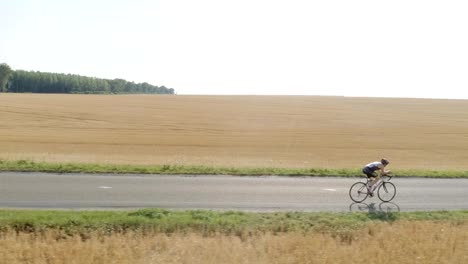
pixel 269 193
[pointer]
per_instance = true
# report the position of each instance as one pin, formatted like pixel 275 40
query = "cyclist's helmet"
pixel 385 161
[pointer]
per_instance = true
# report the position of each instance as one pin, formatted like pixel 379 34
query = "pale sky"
pixel 397 48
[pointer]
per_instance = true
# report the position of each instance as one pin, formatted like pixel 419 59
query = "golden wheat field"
pixel 400 243
pixel 259 131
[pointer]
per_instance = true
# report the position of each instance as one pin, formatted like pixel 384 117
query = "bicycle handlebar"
pixel 389 176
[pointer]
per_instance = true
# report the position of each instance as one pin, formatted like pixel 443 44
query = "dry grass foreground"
pixel 402 242
pixel 240 131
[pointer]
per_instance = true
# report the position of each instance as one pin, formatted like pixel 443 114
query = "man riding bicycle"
pixel 371 171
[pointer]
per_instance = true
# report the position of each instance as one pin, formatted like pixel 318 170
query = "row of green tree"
pixel 20 81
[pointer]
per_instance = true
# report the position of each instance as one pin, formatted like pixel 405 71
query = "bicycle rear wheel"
pixel 358 192
pixel 386 191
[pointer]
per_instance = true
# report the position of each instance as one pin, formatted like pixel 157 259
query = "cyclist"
pixel 371 171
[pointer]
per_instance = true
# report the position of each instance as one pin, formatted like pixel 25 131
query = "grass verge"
pixel 204 221
pixel 32 166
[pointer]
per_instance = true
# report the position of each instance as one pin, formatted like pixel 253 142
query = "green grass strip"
pixel 32 166
pixel 208 222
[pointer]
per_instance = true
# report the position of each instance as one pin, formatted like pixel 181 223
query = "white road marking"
pixel 105 187
pixel 331 190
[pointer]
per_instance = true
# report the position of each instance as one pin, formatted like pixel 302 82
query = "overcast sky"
pixel 398 48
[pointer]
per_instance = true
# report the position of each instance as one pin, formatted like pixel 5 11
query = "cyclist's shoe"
pixel 371 194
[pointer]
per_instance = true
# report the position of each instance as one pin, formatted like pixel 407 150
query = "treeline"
pixel 20 81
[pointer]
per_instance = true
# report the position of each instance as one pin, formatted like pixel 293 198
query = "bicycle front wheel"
pixel 358 192
pixel 386 191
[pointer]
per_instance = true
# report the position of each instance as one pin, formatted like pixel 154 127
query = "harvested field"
pixel 241 131
pixel 401 242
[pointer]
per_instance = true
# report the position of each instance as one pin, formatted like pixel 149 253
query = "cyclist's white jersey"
pixel 373 166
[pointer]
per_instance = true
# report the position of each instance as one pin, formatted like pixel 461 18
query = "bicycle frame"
pixel 380 182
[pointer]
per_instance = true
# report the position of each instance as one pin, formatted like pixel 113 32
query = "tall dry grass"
pixel 400 242
pixel 259 131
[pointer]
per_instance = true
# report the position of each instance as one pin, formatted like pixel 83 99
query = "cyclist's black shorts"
pixel 368 172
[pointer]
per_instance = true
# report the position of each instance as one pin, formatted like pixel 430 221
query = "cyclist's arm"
pixel 383 171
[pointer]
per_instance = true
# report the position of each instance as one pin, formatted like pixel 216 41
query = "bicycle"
pixel 386 190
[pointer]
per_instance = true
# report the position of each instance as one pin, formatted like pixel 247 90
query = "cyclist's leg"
pixel 370 177
pixel 370 180
pixel 369 185
pixel 375 179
